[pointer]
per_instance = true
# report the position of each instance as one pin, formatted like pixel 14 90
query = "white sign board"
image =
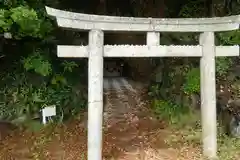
pixel 48 112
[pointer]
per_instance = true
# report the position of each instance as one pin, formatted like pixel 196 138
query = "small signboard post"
pixel 47 112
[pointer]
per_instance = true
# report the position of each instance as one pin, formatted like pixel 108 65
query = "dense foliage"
pixel 32 77
pixel 180 84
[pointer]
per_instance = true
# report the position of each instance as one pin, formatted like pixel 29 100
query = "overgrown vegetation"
pixel 183 78
pixel 32 77
pixel 180 105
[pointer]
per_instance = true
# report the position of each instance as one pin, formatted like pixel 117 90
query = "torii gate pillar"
pixel 208 94
pixel 95 94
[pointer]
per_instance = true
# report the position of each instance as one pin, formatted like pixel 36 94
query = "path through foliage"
pixel 130 132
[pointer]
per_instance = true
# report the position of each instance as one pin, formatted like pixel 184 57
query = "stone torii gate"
pixel 96 50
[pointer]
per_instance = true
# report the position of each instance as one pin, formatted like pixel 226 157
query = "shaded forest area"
pixel 32 76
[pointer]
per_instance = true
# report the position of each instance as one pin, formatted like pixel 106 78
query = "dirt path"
pixel 130 132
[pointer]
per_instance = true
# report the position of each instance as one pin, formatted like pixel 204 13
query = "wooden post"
pixel 95 94
pixel 208 95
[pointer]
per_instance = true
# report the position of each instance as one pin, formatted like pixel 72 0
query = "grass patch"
pixel 187 131
pixel 229 148
pixel 169 111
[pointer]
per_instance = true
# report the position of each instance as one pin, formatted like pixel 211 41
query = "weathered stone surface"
pixel 95 94
pixel 208 95
pixel 113 23
pixel 146 51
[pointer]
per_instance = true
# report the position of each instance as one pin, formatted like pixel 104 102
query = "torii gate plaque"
pixel 95 51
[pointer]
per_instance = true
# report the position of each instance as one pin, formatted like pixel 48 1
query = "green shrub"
pixel 26 101
pixel 22 98
pixel 169 111
pixel 192 81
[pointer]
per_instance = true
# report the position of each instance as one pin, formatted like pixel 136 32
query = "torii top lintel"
pixel 112 23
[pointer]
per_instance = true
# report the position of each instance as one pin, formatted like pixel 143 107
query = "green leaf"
pixel 68 66
pixel 5 24
pixel 37 63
